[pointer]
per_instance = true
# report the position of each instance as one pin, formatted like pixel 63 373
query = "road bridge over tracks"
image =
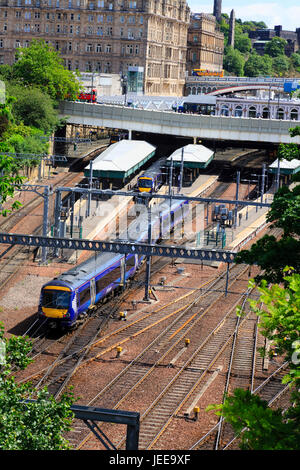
pixel 229 128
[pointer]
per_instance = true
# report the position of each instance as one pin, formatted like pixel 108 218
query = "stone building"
pixel 205 44
pixel 261 37
pixel 105 36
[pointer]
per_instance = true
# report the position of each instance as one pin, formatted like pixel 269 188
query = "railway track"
pixel 244 370
pixel 168 344
pixel 12 257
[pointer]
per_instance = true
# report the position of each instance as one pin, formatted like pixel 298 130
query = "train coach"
pixel 68 297
pixel 152 178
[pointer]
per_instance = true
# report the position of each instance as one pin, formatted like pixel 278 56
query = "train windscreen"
pixel 56 299
pixel 145 183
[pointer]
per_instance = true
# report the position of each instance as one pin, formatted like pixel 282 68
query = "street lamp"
pixel 124 87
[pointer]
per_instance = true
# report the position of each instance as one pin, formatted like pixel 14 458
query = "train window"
pixel 84 295
pixel 55 299
pixel 130 262
pixel 110 277
pixel 145 183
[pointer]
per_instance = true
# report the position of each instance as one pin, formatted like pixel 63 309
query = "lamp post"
pixel 124 87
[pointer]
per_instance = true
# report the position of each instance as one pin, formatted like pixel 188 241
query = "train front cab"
pixel 145 184
pixel 56 304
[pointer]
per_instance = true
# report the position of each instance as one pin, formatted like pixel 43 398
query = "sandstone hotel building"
pixel 106 36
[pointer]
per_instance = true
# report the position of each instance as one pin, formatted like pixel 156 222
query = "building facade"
pixel 205 44
pixel 261 37
pixel 105 36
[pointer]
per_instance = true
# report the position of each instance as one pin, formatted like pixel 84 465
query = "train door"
pixel 93 291
pixel 123 269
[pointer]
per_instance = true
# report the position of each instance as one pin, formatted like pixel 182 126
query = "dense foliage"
pixel 33 86
pixel 243 60
pixel 260 427
pixel 29 420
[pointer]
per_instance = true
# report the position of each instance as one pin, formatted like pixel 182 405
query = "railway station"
pixel 151 326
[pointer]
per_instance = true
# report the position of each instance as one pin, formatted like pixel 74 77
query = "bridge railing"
pixel 239 79
pixel 169 122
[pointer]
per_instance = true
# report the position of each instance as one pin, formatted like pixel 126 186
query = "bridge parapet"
pixel 185 125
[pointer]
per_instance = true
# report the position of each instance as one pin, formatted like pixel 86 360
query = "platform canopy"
pixel 121 159
pixel 194 156
pixel 286 167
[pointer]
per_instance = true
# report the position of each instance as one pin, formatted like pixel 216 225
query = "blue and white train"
pixel 69 296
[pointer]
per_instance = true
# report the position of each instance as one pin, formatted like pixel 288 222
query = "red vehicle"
pixel 88 97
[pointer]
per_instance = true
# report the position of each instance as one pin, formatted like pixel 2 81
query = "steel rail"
pixel 152 344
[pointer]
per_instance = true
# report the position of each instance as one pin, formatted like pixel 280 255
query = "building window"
pixel 107 67
pixel 100 4
pixel 100 18
pixel 89 48
pixel 129 49
pixel 122 19
pixel 132 4
pixel 27 15
pixel 108 48
pixel 99 48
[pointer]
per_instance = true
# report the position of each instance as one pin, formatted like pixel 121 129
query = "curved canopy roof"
pixel 193 155
pixel 122 158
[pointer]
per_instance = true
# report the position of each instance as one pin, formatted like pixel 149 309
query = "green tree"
pixel 34 108
pixel 41 66
pixel 258 426
pixel 242 43
pixel 234 62
pixel 261 427
pixel 257 65
pixel 280 65
pixel 275 47
pixel 29 425
pixel 295 60
pixel 10 180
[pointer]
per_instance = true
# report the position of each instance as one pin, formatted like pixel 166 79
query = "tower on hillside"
pixel 217 9
pixel 231 29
